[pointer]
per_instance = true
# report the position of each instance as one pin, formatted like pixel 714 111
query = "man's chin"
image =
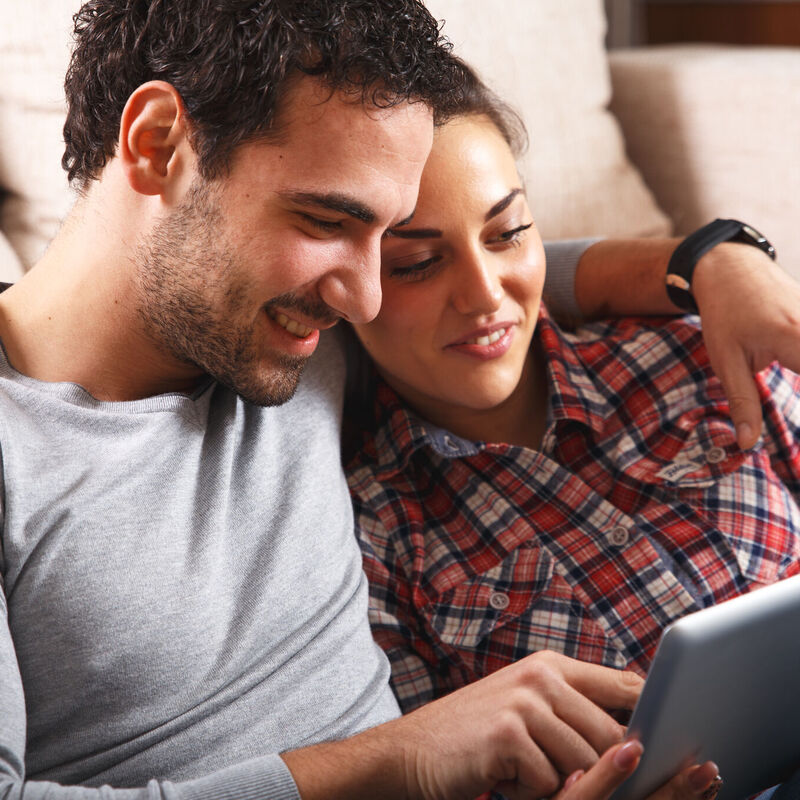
pixel 274 389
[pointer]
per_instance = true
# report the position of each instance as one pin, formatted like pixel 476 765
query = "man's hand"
pixel 528 725
pixel 750 309
pixel 749 306
pixel 522 729
pixel 617 763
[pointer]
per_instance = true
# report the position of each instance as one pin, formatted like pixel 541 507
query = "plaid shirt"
pixel 638 508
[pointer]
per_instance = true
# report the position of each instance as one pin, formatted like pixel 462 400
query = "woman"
pixel 521 488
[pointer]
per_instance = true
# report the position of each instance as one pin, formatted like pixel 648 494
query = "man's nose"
pixel 353 288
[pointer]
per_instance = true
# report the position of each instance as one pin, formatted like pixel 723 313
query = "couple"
pixel 184 606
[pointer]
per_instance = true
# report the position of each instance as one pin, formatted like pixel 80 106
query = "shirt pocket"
pixel 707 453
pixel 733 497
pixel 471 611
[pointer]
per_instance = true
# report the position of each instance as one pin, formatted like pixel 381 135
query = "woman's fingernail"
pixel 627 756
pixel 574 778
pixel 713 789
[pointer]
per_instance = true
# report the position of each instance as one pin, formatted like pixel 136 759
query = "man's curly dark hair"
pixel 231 60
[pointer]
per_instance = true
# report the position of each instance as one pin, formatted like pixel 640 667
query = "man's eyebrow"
pixel 406 220
pixel 416 233
pixel 333 201
pixel 502 205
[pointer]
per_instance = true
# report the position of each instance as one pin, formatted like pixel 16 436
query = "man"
pixel 182 589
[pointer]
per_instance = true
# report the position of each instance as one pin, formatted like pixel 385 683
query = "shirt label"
pixel 677 469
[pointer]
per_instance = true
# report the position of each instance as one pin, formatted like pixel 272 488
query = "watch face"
pixel 753 233
pixel 750 235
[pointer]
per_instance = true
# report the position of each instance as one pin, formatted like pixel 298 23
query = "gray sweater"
pixel 182 588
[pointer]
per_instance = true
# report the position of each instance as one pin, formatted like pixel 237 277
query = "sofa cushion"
pixel 548 59
pixel 34 51
pixel 716 131
pixel 10 265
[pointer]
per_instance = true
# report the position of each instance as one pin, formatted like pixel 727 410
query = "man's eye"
pixel 511 236
pixel 324 225
pixel 416 272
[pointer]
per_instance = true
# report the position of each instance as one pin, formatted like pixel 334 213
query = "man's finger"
pixel 595 725
pixel 571 746
pixel 744 401
pixel 606 686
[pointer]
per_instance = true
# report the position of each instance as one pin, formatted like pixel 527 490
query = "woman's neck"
pixel 519 420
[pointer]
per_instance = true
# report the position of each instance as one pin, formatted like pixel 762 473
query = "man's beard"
pixel 188 309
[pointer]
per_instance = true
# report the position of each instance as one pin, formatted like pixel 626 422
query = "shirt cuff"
pixel 559 283
pixel 266 778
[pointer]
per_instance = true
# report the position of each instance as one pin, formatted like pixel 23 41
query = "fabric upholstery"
pixel 548 59
pixel 716 132
pixel 10 265
pixel 34 51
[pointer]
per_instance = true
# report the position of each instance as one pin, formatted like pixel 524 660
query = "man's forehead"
pixel 309 102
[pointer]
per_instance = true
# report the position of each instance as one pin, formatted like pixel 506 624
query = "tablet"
pixel 724 686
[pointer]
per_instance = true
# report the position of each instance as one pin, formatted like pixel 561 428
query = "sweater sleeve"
pixel 263 778
pixel 562 264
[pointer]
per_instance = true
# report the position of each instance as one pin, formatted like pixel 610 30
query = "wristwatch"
pixel 696 245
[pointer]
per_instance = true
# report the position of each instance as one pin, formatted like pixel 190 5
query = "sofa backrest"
pixel 34 52
pixel 548 58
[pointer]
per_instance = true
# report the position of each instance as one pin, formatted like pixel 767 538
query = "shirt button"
pixel 619 535
pixel 715 454
pixel 499 601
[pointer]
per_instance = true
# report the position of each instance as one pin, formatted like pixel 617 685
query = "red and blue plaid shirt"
pixel 638 508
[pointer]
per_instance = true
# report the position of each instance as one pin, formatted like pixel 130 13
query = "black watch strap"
pixel 696 245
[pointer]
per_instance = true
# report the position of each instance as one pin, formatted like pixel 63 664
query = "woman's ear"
pixel 153 141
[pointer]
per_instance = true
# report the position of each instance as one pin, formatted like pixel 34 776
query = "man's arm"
pixel 460 746
pixel 749 307
pixel 477 739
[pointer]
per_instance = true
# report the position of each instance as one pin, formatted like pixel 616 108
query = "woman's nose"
pixel 477 288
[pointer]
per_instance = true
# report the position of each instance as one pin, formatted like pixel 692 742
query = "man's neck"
pixel 72 318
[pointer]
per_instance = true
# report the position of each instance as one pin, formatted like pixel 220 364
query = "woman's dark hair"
pixel 475 98
pixel 231 61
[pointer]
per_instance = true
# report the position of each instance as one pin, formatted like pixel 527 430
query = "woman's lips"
pixel 485 343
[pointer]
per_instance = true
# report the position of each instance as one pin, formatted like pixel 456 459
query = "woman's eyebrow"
pixel 502 205
pixel 434 233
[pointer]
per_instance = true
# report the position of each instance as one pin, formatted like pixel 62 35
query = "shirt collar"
pixel 575 392
pixel 573 395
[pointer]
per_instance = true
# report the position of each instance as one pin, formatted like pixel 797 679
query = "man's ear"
pixel 153 141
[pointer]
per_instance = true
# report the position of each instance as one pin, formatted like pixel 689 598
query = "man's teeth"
pixel 490 339
pixel 295 328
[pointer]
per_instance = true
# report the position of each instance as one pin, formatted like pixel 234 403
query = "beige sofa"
pixel 691 133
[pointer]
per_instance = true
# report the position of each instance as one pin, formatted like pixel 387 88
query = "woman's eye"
pixel 416 272
pixel 511 236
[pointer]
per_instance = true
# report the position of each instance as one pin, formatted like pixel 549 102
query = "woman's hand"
pixel 618 762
